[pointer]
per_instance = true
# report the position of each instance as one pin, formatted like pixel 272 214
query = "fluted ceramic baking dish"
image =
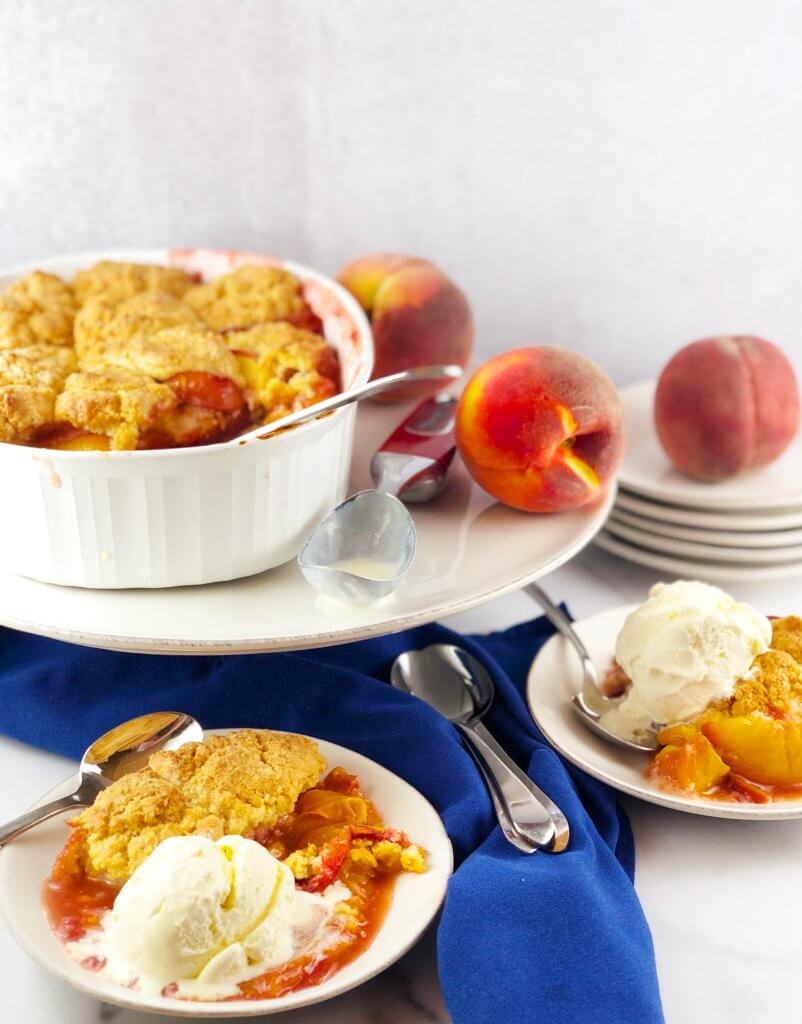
pixel 172 517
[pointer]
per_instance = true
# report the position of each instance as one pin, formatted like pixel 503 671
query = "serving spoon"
pixel 363 549
pixel 590 703
pixel 454 683
pixel 123 749
pixel 373 387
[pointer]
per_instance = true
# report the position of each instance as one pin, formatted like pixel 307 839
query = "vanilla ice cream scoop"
pixel 683 648
pixel 205 916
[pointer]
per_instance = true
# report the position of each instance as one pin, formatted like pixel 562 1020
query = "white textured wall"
pixel 619 176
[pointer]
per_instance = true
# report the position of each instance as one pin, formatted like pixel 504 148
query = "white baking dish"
pixel 182 516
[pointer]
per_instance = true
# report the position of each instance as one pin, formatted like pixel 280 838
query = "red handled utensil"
pixel 413 462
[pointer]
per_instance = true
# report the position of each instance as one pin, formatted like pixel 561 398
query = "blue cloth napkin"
pixel 547 939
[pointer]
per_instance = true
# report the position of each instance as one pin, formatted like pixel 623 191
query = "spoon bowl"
pixel 590 703
pixel 121 750
pixel 362 550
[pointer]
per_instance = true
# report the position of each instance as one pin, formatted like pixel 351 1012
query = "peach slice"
pixel 687 760
pixel 763 749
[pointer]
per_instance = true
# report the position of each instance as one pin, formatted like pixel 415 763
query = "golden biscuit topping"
pixel 167 352
pixel 118 403
pixel 144 314
pixel 286 367
pixel 786 635
pixel 24 408
pixel 43 365
pixel 30 379
pixel 774 684
pixel 116 282
pixel 226 785
pixel 248 296
pixel 39 308
pixel 233 353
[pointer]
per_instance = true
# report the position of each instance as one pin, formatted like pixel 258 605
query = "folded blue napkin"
pixel 547 939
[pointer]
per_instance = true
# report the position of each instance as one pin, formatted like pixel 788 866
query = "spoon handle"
pixel 508 829
pixel 16 827
pixel 591 698
pixel 447 371
pixel 534 816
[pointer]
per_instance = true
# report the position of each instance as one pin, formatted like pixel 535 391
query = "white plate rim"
pixel 439 871
pixel 537 694
pixel 597 514
pixel 758 519
pixel 719 571
pixel 723 496
pixel 717 553
pixel 727 538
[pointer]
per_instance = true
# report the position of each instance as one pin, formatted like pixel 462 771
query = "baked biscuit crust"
pixel 251 295
pixel 115 282
pixel 163 354
pixel 225 785
pixel 233 352
pixel 143 314
pixel 30 379
pixel 787 636
pixel 23 410
pixel 118 403
pixel 39 308
pixel 43 365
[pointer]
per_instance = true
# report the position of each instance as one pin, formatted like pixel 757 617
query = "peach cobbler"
pixel 230 868
pixel 133 356
pixel 721 684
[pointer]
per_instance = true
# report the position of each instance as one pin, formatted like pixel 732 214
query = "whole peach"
pixel 725 405
pixel 541 429
pixel 418 315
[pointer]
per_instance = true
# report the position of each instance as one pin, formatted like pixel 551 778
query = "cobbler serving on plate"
pixel 137 356
pixel 233 868
pixel 722 684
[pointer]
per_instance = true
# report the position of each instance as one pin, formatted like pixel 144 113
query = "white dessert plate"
pixel 758 520
pixel 647 470
pixel 555 676
pixel 714 572
pixel 470 549
pixel 26 863
pixel 717 538
pixel 704 552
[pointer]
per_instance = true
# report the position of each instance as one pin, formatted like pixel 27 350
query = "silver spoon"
pixel 590 703
pixel 123 749
pixel 363 549
pixel 454 683
pixel 373 387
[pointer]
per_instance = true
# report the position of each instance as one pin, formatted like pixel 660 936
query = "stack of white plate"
pixel 747 528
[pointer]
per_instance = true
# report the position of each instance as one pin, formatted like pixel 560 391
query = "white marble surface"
pixel 722 897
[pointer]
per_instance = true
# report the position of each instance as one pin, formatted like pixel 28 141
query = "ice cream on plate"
pixel 228 868
pixel 682 649
pixel 720 688
pixel 199 917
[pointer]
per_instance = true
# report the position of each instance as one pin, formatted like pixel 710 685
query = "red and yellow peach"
pixel 541 429
pixel 418 315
